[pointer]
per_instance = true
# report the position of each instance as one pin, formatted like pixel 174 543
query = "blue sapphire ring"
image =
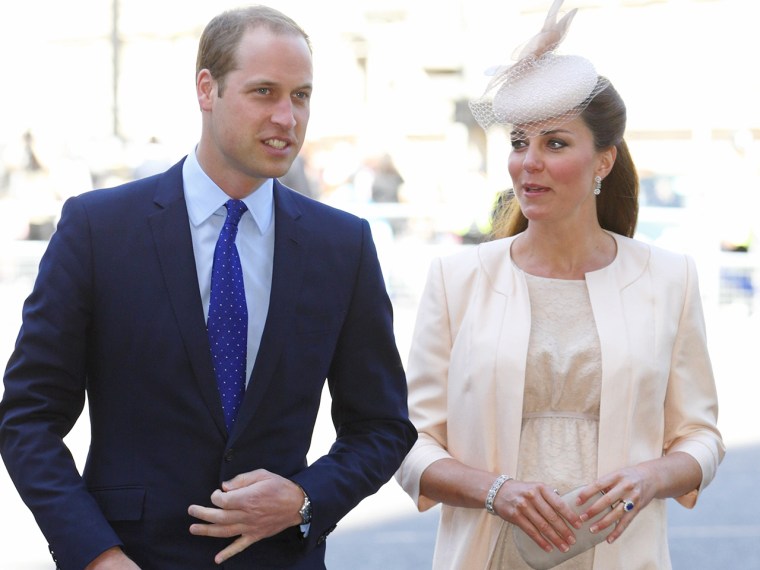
pixel 627 505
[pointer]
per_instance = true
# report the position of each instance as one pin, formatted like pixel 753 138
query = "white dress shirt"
pixel 255 243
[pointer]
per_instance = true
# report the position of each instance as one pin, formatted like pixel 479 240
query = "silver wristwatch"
pixel 305 511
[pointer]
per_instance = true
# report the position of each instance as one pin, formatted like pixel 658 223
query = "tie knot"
pixel 235 210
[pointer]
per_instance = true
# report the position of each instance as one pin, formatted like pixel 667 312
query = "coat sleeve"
pixel 427 377
pixel 691 404
pixel 369 402
pixel 44 395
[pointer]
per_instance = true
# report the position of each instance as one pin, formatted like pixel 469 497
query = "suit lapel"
pixel 287 275
pixel 171 234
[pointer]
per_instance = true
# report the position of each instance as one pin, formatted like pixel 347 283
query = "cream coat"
pixel 466 376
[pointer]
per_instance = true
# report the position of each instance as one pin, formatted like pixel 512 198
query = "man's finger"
pixel 236 547
pixel 215 530
pixel 245 479
pixel 208 514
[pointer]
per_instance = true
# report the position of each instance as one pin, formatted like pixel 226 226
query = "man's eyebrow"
pixel 260 83
pixel 254 83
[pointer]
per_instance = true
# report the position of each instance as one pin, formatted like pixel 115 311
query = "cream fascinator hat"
pixel 541 90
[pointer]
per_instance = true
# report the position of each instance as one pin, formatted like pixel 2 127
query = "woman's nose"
pixel 532 159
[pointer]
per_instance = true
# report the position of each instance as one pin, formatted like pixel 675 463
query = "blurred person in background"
pixel 297 178
pixel 154 159
pixel 386 181
pixel 562 356
pixel 30 192
pixel 200 311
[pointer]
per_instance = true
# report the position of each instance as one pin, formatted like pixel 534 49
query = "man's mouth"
pixel 276 143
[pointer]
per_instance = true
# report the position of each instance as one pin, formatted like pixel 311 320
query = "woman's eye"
pixel 518 144
pixel 556 143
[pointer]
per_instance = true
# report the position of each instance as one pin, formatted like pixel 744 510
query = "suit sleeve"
pixel 369 403
pixel 44 395
pixel 691 406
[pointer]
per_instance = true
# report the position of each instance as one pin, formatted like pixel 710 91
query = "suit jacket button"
pixel 229 455
pixel 52 553
pixel 322 538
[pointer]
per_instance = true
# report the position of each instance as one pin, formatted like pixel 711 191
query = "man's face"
pixel 255 129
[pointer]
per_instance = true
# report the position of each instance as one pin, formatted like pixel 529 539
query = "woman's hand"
pixel 629 490
pixel 539 511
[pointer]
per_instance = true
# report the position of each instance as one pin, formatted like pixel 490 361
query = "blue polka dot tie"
pixel 228 316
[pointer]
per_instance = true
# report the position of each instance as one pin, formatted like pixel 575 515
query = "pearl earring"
pixel 597 185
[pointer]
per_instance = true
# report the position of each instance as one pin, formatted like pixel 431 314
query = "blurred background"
pixel 98 92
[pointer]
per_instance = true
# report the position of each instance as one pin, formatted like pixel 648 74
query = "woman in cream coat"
pixel 561 355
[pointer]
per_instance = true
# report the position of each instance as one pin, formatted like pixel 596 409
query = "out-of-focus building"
pixel 393 78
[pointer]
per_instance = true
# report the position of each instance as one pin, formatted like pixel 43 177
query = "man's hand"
pixel 112 559
pixel 252 506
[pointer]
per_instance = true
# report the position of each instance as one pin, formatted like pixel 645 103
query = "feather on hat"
pixel 541 86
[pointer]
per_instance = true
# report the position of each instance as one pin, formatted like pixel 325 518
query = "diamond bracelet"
pixel 500 480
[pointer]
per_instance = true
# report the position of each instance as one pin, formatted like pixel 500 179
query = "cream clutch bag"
pixel 539 559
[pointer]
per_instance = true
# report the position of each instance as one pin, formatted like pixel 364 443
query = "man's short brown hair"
pixel 222 35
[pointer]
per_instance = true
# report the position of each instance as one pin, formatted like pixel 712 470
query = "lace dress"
pixel 558 443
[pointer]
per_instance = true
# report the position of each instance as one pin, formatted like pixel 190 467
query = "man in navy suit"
pixel 119 312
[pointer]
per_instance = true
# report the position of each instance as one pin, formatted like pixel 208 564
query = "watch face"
pixel 305 511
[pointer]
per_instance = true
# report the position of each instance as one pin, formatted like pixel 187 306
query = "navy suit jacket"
pixel 116 315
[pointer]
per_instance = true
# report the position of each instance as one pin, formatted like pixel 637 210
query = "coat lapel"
pixel 287 275
pixel 171 234
pixel 606 291
pixel 512 335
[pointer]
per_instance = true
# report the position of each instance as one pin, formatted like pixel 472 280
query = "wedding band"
pixel 627 505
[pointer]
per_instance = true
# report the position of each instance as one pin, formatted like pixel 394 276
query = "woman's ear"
pixel 606 161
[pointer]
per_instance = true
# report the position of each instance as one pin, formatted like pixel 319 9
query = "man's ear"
pixel 205 88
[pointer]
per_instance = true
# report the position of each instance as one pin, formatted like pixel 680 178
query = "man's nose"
pixel 283 113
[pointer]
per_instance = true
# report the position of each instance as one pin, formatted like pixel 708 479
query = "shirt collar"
pixel 204 198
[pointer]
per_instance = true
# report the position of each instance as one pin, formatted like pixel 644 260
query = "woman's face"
pixel 553 173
